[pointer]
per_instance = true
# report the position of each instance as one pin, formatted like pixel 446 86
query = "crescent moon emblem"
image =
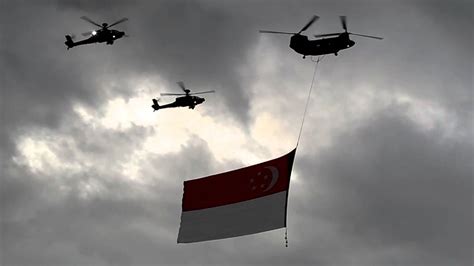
pixel 275 175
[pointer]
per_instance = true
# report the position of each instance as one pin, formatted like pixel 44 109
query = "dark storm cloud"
pixel 40 81
pixel 389 183
pixel 23 188
pixel 203 43
pixel 91 6
pixel 387 192
pixel 197 42
pixel 115 227
pixel 428 56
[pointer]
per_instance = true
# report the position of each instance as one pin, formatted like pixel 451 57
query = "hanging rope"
pixel 309 96
pixel 302 123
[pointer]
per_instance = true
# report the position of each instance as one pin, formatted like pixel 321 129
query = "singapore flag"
pixel 240 202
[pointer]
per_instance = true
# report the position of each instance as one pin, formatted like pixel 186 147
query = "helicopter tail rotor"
pixel 155 105
pixel 69 41
pixel 70 37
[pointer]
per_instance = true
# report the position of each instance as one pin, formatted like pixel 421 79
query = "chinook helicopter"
pixel 300 43
pixel 104 34
pixel 186 100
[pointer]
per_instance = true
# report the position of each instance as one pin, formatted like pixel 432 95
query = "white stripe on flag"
pixel 238 219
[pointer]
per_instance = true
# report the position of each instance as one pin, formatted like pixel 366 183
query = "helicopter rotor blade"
pixel 86 34
pixel 90 21
pixel 367 36
pixel 171 94
pixel 327 34
pixel 277 32
pixel 117 22
pixel 343 22
pixel 202 92
pixel 181 85
pixel 313 19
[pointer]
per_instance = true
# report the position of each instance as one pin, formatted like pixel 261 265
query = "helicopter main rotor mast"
pixel 187 92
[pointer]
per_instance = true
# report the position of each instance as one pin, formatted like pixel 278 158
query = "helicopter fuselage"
pixel 190 101
pixel 184 101
pixel 108 36
pixel 301 44
pixel 326 45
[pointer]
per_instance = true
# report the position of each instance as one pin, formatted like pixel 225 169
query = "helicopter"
pixel 300 43
pixel 186 100
pixel 104 34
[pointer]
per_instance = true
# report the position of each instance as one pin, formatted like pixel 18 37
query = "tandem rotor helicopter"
pixel 104 34
pixel 300 43
pixel 185 101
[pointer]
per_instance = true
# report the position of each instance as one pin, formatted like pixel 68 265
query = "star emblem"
pixel 264 179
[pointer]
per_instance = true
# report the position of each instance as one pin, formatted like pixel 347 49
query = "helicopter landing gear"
pixel 335 53
pixel 304 56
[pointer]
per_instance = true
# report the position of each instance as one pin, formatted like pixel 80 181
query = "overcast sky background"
pixel 91 176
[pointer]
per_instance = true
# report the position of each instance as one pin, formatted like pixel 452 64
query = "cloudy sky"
pixel 91 176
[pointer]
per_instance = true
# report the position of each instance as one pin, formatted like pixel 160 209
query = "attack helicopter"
pixel 104 34
pixel 300 43
pixel 185 101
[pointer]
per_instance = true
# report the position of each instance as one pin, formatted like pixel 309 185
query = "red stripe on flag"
pixel 239 185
